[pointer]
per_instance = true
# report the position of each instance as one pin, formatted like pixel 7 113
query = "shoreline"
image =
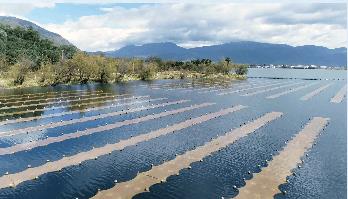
pixel 7 83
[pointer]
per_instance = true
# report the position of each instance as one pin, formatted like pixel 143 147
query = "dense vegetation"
pixel 25 56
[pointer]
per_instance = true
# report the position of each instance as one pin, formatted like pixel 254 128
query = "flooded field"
pixel 277 134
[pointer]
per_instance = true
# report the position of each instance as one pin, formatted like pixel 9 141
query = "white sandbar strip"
pixel 27 119
pixel 234 86
pixel 265 184
pixel 31 173
pixel 270 89
pixel 291 90
pixel 160 173
pixel 50 140
pixel 98 96
pixel 338 98
pixel 246 89
pixel 64 106
pixel 55 98
pixel 315 92
pixel 84 119
pixel 35 94
pixel 217 87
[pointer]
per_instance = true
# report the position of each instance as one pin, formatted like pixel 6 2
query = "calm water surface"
pixel 323 175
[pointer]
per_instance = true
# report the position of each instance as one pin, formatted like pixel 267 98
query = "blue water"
pixel 323 174
pixel 298 73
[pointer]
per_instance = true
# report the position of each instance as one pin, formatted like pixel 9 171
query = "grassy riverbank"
pixel 32 80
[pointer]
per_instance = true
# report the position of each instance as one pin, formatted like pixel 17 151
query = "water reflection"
pixel 20 103
pixel 225 168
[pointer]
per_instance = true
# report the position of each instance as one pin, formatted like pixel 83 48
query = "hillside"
pixel 15 22
pixel 26 46
pixel 240 52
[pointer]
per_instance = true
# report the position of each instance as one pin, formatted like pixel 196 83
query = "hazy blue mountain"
pixel 240 52
pixel 54 37
pixel 164 50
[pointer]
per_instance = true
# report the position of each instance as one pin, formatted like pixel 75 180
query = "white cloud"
pixel 21 9
pixel 191 25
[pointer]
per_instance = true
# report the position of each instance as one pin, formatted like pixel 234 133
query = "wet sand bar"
pixel 46 98
pixel 42 127
pixel 90 102
pixel 315 92
pixel 338 98
pixel 270 89
pixel 98 96
pixel 251 88
pixel 27 119
pixel 160 173
pixel 265 184
pixel 290 91
pixel 14 179
pixel 235 86
pixel 100 129
pixel 39 94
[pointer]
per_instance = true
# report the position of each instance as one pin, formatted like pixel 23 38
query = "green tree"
pixel 241 69
pixel 148 70
pixel 19 42
pixel 20 69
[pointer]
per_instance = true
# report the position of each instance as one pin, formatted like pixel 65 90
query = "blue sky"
pixel 62 12
pixel 100 25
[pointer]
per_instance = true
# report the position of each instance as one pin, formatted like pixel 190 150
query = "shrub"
pixel 241 69
pixel 182 75
pixel 148 71
pixel 108 70
pixel 48 74
pixel 18 72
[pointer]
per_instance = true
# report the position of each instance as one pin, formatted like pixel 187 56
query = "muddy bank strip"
pixel 235 86
pixel 211 85
pixel 35 94
pixel 291 90
pixel 83 119
pixel 256 87
pixel 42 93
pixel 271 89
pixel 265 184
pixel 25 98
pixel 315 92
pixel 97 96
pixel 99 129
pixel 60 101
pixel 77 105
pixel 200 88
pixel 338 98
pixel 179 87
pixel 54 96
pixel 31 173
pixel 221 87
pixel 188 84
pixel 27 119
pixel 59 97
pixel 215 87
pixel 250 87
pixel 114 104
pixel 167 86
pixel 157 174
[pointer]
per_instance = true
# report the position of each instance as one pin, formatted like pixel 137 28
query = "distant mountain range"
pixel 240 52
pixel 15 22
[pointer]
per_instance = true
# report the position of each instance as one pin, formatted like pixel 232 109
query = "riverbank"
pixel 32 80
